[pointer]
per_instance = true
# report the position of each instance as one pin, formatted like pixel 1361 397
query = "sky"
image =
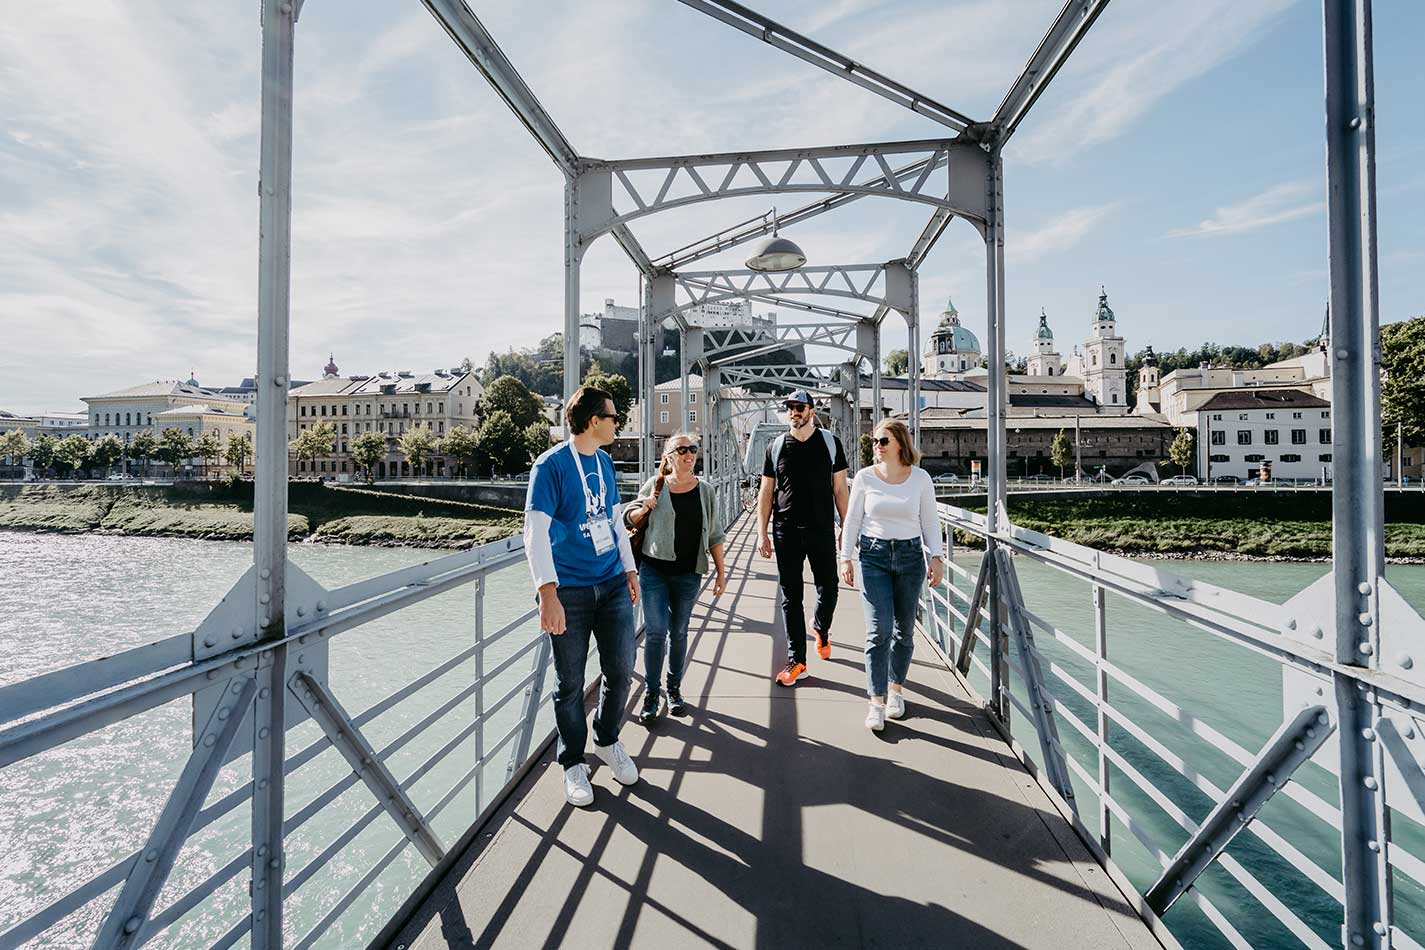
pixel 1177 161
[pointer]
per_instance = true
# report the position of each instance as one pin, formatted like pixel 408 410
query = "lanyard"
pixel 589 500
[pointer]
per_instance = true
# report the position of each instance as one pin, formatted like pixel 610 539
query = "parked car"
pixel 946 479
pixel 1180 480
pixel 1131 480
pixel 1226 480
pixel 120 477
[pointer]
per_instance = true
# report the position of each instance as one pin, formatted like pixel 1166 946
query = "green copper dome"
pixel 1104 311
pixel 1043 333
pixel 949 336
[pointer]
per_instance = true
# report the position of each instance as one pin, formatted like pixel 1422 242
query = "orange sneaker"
pixel 823 644
pixel 791 673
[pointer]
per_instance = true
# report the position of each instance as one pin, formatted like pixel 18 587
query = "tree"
pixel 617 387
pixel 418 445
pixel 536 439
pixel 239 450
pixel 466 366
pixel 107 451
pixel 42 451
pixel 209 448
pixel 501 444
pixel 508 395
pixel 174 446
pixel 142 447
pixel 1181 451
pixel 867 455
pixel 314 441
pixel 72 453
pixel 367 449
pixel 897 362
pixel 1059 452
pixel 1402 382
pixel 460 445
pixel 14 444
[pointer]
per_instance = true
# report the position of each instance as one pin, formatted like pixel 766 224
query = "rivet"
pixel 1321 717
pixel 1355 123
pixel 264 693
pixel 301 658
pixel 1379 928
pixel 259 882
pixel 1370 782
pixel 237 633
pixel 262 851
pixel 151 855
pixel 1363 587
pixel 265 623
pixel 237 688
pixel 265 573
pixel 321 605
pixel 274 863
pixel 209 739
pixel 1316 633
pixel 301 611
pixel 239 663
pixel 1341 354
pixel 1409 732
pixel 1365 619
pixel 1311 733
pixel 208 641
pixel 1405 661
pixel 1291 624
pixel 279 380
pixel 1271 779
pixel 133 924
pixel 1366 649
pixel 1372 845
pixel 1357 940
pixel 212 674
pixel 264 732
pixel 261 784
pixel 304 638
pixel 263 598
pixel 1368 734
pixel 222 714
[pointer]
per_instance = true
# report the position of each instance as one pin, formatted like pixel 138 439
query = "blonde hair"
pixel 665 466
pixel 908 452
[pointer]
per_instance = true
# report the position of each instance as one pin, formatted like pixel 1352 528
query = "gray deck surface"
pixel 771 817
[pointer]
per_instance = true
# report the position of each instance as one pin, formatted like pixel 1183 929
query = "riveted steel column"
pixel 270 467
pixel 1357 503
pixel 913 339
pixel 995 433
pixel 573 258
pixel 875 376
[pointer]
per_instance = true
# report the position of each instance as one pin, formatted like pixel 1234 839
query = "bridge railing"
pixel 376 796
pixel 1171 731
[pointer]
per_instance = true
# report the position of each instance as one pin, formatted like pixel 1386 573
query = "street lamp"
pixel 776 253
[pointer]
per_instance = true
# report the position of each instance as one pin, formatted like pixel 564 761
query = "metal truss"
pixel 867 282
pixel 785 377
pixel 1068 30
pixel 739 339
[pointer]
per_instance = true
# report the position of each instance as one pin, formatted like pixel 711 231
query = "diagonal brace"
pixel 127 921
pixel 348 740
pixel 1274 766
pixel 972 616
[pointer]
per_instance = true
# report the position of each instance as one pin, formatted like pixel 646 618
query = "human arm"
pixel 638 511
pixel 539 505
pixel 764 515
pixel 840 491
pixel 625 553
pixel 931 534
pixel 720 584
pixel 854 514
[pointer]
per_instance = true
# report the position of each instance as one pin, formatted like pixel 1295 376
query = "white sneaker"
pixel 875 717
pixel 622 767
pixel 895 705
pixel 577 790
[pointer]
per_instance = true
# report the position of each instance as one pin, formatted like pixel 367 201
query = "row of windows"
pixel 1271 436
pixel 396 427
pixel 692 398
pixel 431 409
pixel 663 416
pixel 1289 457
pixel 1242 416
pixel 137 418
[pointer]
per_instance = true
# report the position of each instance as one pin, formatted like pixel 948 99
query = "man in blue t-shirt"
pixel 582 564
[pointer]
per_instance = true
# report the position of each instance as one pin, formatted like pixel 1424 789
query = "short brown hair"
pixel 587 402
pixel 908 452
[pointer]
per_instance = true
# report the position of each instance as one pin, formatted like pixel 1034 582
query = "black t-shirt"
pixel 687 533
pixel 802 496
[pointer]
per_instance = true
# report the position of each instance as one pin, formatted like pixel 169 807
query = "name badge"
pixel 602 534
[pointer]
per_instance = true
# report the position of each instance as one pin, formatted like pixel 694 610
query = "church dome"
pixel 1043 333
pixel 1149 357
pixel 330 369
pixel 1104 311
pixel 949 336
pixel 192 379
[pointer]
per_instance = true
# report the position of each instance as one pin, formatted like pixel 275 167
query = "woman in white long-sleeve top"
pixel 892 520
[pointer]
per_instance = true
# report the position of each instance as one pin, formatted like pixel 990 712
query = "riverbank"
pixel 223 512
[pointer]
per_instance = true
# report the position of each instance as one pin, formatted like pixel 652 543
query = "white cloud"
pixel 1280 203
pixel 1059 234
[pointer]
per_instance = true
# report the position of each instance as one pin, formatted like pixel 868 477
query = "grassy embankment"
pixel 348 515
pixel 1285 525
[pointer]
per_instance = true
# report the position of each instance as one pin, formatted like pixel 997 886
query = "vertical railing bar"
pixel 480 694
pixel 1100 629
pixel 531 711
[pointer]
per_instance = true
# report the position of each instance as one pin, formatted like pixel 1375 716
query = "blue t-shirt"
pixel 554 490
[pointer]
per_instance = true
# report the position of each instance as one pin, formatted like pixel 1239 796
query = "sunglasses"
pixel 606 415
pixel 796 407
pixel 686 450
pixel 883 441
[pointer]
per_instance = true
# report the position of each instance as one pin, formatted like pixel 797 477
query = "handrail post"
pixel 1100 638
pixel 479 694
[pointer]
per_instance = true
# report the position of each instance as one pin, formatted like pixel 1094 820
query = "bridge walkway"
pixel 771 817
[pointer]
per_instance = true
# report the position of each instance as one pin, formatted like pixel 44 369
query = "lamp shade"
pixel 776 254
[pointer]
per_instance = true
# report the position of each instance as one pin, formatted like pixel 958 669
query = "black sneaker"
pixel 676 706
pixel 649 712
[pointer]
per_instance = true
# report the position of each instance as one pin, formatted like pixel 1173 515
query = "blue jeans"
pixel 667 606
pixel 605 611
pixel 892 575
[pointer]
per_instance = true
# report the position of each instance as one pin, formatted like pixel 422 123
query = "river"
pixel 72 812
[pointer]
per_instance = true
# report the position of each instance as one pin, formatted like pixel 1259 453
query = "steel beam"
pixel 1291 745
pixel 1357 536
pixel 994 310
pixel 701 292
pixel 1072 24
pixel 973 611
pixel 774 34
pixel 368 766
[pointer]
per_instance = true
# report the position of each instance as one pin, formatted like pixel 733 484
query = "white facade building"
pixel 1240 431
pixel 126 412
pixel 1043 359
pixel 951 349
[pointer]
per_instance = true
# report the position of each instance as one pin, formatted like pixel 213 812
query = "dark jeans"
pixel 605 611
pixel 667 606
pixel 892 577
pixel 794 544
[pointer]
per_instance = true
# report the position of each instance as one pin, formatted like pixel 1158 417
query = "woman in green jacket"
pixel 682 531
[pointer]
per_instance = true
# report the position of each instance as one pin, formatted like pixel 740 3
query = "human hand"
pixel 633 587
pixel 933 572
pixel 848 574
pixel 551 611
pixel 764 545
pixel 720 584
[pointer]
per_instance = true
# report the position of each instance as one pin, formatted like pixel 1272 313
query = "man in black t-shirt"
pixel 803 493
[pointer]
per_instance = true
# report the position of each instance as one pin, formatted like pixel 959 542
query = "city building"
pixel 390 403
pixel 668 406
pixel 1043 360
pixel 1101 364
pixel 126 412
pixel 198 421
pixel 1238 431
pixel 951 349
pixel 953 441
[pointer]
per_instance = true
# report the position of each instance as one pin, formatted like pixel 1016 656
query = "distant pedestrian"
pixel 582 564
pixel 803 492
pixel 678 512
pixel 893 521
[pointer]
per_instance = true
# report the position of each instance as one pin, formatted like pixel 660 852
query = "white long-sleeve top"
pixel 889 512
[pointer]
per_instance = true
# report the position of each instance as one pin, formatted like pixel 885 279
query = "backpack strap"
pixel 830 441
pixel 777 444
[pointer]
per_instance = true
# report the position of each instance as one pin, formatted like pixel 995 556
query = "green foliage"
pixel 14 444
pixel 539 370
pixel 867 456
pixel 174 446
pixel 1237 357
pixel 536 439
pixel 509 395
pixel 72 453
pixel 461 445
pixel 106 452
pixel 1060 452
pixel 42 451
pixel 418 445
pixel 617 387
pixel 502 445
pixel 1402 383
pixel 239 450
pixel 368 449
pixel 314 441
pixel 209 448
pixel 1181 451
pixel 897 362
pixel 142 447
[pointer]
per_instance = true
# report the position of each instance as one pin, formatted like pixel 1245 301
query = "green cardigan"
pixel 658 539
